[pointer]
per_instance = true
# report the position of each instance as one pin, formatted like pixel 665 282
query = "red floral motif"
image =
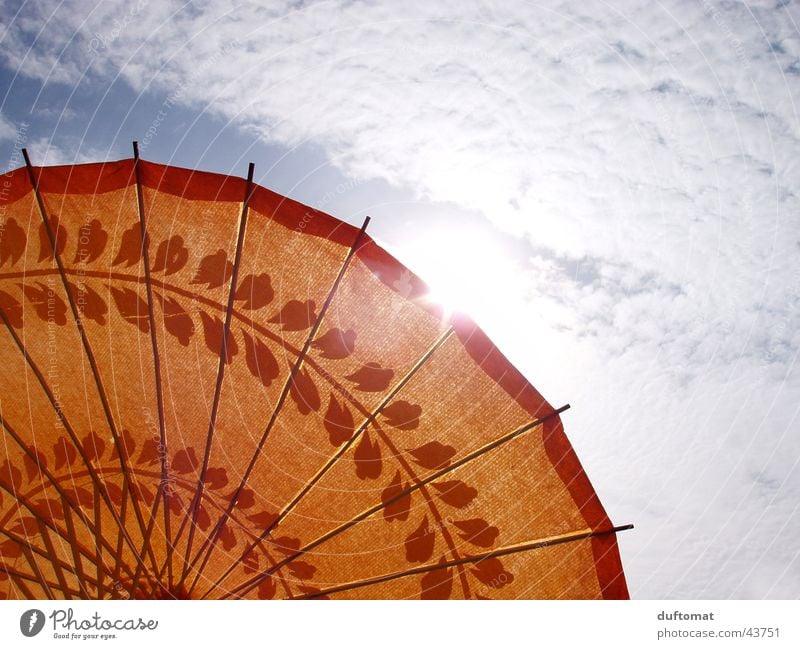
pixel 433 455
pixel 49 306
pixel 368 458
pixel 296 315
pixel 371 378
pixel 477 531
pixel 12 308
pixel 419 544
pixel 397 503
pixel 267 589
pixel 336 344
pixel 214 270
pixel 185 461
pixel 260 360
pixel 438 583
pixel 455 493
pixel 31 466
pixel 255 291
pixel 130 250
pixel 92 240
pixel 176 319
pixel 338 422
pixel 12 242
pixel 171 256
pixel 490 572
pixel 65 453
pixel 402 415
pixel 131 307
pixel 89 302
pixel 60 235
pixel 213 329
pixel 304 393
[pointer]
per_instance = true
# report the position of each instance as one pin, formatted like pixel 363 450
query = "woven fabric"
pixel 260 403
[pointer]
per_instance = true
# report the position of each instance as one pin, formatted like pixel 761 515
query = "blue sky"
pixel 610 189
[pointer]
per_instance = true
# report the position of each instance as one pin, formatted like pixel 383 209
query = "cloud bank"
pixel 643 158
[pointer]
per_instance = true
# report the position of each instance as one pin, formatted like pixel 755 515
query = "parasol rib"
pixel 26 550
pixel 76 557
pixel 252 583
pixel 528 546
pixel 19 580
pixel 212 539
pixel 38 518
pixel 51 550
pixel 337 455
pixel 115 575
pixel 100 488
pixel 223 352
pixel 98 523
pixel 11 572
pixel 46 473
pixel 162 488
pixel 87 348
pixel 308 361
pixel 434 509
pixel 42 553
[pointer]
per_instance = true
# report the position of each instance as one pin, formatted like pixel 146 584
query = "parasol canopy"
pixel 212 391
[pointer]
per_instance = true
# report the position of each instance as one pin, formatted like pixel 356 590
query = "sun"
pixel 467 269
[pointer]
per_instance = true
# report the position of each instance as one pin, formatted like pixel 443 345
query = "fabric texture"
pixel 254 400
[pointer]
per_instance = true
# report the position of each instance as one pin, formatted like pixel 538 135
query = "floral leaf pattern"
pixel 371 378
pixel 338 422
pixel 437 584
pixel 10 475
pixel 255 291
pixel 213 329
pixel 12 308
pixel 267 589
pixel 185 461
pixel 64 452
pixel 402 415
pixel 368 458
pixel 397 504
pixel 304 393
pixel 477 531
pixel 130 249
pixel 93 447
pixel 455 493
pixel 336 344
pixel 227 538
pixel 49 305
pixel 214 270
pixel 131 307
pixel 177 321
pixel 433 455
pixel 171 256
pixel 490 572
pixel 60 236
pixel 12 242
pixel 296 315
pixel 92 240
pixel 260 360
pixel 419 544
pixel 89 302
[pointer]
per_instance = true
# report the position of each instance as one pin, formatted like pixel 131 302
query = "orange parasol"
pixel 212 391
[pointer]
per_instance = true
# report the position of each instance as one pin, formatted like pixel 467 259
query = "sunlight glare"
pixel 467 270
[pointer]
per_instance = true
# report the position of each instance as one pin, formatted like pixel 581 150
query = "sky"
pixel 610 189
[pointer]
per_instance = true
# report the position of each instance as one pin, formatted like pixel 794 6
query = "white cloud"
pixel 646 155
pixel 7 129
